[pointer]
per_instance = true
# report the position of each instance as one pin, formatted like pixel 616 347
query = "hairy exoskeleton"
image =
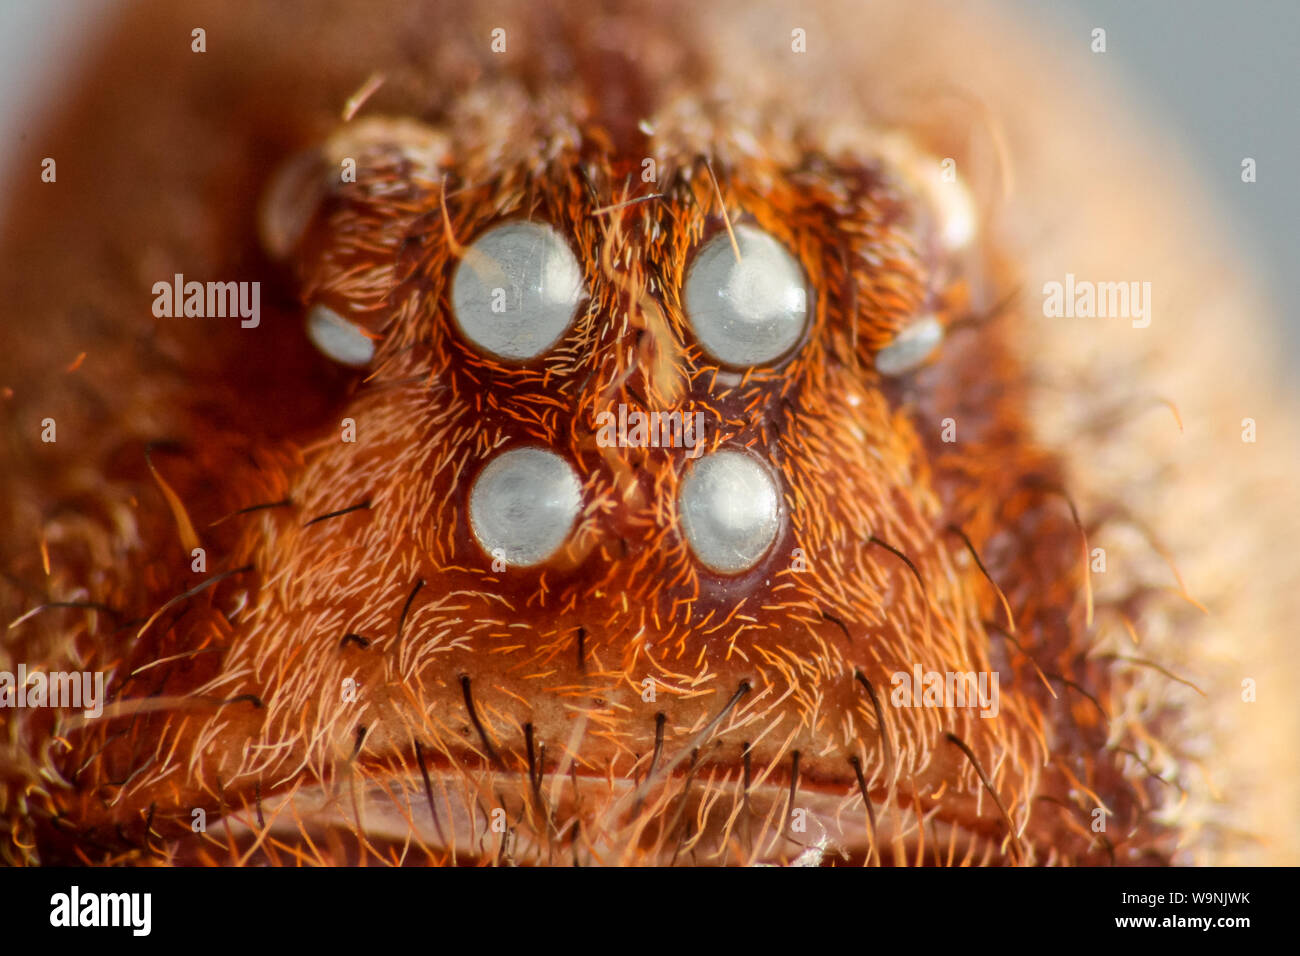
pixel 605 663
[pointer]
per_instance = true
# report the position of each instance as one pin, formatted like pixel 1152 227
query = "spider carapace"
pixel 633 463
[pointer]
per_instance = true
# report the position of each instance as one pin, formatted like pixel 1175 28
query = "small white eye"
pixel 516 290
pixel 729 509
pixel 750 311
pixel 290 201
pixel 910 347
pixel 956 218
pixel 337 338
pixel 523 504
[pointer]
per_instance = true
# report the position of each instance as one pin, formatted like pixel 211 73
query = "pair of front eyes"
pixel 518 287
pixel 524 503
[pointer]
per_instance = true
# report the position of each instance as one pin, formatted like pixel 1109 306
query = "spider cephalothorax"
pixel 476 619
pixel 627 470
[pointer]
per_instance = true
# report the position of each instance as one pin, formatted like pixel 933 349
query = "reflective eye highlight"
pixel 729 510
pixel 747 312
pixel 516 290
pixel 910 347
pixel 337 338
pixel 523 505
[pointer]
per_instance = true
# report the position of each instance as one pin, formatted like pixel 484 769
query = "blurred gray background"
pixel 1223 75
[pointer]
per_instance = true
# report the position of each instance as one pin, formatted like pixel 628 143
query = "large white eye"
pixel 516 289
pixel 729 510
pixel 910 347
pixel 523 504
pixel 747 312
pixel 338 338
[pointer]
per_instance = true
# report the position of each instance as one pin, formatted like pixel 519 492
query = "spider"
pixel 637 463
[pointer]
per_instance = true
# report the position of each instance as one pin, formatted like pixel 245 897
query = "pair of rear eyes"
pixel 518 286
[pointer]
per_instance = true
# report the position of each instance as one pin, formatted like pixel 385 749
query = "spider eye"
pixel 910 347
pixel 337 338
pixel 728 504
pixel 516 289
pixel 751 311
pixel 523 505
